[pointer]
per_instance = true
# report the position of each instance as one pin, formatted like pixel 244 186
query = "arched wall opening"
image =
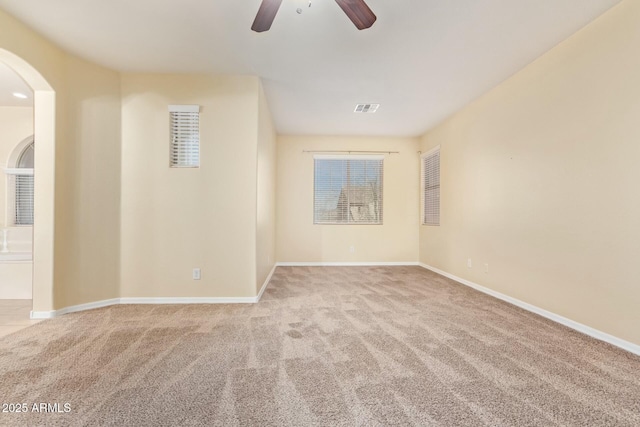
pixel 44 106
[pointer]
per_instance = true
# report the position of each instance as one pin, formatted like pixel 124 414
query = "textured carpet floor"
pixel 325 346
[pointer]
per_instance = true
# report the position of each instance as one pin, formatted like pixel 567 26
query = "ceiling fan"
pixel 356 10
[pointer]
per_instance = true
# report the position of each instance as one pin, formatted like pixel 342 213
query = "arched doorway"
pixel 44 189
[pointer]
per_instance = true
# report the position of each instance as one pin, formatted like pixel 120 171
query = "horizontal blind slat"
pixel 431 189
pixel 24 200
pixel 185 138
pixel 348 191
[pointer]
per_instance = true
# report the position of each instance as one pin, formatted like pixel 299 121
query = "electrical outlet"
pixel 469 263
pixel 352 249
pixel 196 274
pixel 486 268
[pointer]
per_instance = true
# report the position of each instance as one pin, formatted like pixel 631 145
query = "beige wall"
pixel 540 180
pixel 16 275
pixel 299 240
pixel 16 124
pixel 266 193
pixel 84 179
pixel 41 65
pixel 174 220
pixel 16 279
pixel 166 230
pixel 88 169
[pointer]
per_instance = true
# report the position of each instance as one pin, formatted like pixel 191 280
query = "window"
pixel 347 190
pixel 185 136
pixel 20 185
pixel 431 187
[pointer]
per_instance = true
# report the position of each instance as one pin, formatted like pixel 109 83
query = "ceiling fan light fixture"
pixel 266 15
pixel 356 10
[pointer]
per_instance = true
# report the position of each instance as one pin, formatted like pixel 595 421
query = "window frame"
pixel 176 111
pixel 435 151
pixel 349 158
pixel 23 200
pixel 11 172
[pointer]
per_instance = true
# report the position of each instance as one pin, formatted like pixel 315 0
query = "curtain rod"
pixel 351 151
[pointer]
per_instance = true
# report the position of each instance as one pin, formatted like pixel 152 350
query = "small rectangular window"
pixel 185 136
pixel 348 189
pixel 24 200
pixel 431 187
pixel 20 196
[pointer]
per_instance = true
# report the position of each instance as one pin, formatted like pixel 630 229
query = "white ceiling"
pixel 10 83
pixel 422 60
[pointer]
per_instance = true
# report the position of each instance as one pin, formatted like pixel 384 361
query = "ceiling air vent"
pixel 366 108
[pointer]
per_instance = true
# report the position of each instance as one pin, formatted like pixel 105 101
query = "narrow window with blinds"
pixel 185 136
pixel 431 187
pixel 347 189
pixel 24 200
pixel 20 193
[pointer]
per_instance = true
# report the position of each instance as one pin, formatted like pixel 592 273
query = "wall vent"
pixel 366 108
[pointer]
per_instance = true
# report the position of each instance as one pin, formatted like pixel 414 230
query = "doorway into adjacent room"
pixel 27 113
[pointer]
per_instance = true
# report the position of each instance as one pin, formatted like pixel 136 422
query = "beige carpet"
pixel 330 346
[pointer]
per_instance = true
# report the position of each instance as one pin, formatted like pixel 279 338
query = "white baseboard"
pixel 344 264
pixel 42 314
pixel 266 283
pixel 200 300
pixel 160 300
pixel 81 307
pixel 587 330
pixel 187 300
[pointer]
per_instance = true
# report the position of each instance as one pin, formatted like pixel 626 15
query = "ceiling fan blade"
pixel 266 15
pixel 358 12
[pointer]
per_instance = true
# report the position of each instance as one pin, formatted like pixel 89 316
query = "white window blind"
pixel 20 188
pixel 20 180
pixel 24 200
pixel 185 136
pixel 348 189
pixel 431 187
